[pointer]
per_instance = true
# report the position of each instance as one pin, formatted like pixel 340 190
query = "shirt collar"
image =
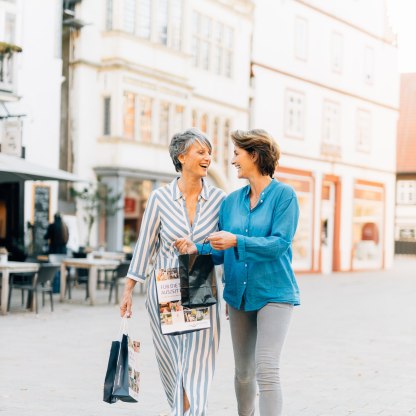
pixel 264 192
pixel 176 193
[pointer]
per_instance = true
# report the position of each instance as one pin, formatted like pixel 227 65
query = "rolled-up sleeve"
pixel 147 242
pixel 268 248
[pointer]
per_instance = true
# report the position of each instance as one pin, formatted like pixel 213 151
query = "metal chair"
pixel 34 283
pixel 119 273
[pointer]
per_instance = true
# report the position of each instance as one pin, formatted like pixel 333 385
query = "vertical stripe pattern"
pixel 185 361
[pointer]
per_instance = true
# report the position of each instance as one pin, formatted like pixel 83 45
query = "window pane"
pixel 145 104
pixel 176 23
pixel 301 38
pixel 204 123
pixel 178 118
pixel 295 111
pixel 144 18
pixel 129 16
pixel 162 22
pixel 194 118
pixel 109 15
pixel 363 130
pixel 107 116
pixel 205 51
pixel 336 52
pixel 10 28
pixel 129 115
pixel 164 123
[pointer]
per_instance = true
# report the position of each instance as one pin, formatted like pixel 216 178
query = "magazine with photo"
pixel 174 318
pixel 134 372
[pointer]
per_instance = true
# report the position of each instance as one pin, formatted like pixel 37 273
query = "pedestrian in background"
pixel 257 225
pixel 57 235
pixel 188 206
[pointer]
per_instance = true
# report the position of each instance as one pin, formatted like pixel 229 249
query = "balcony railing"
pixel 6 72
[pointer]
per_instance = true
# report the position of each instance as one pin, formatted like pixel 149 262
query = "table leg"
pixel 92 284
pixel 4 291
pixel 63 282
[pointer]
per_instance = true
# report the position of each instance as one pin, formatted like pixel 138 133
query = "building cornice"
pixel 340 163
pixel 325 86
pixel 117 64
pixel 221 103
pixel 347 23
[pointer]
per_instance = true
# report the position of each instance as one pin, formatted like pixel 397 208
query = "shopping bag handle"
pixel 123 327
pixel 206 242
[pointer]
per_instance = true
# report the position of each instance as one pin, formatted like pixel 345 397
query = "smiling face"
pixel 244 162
pixel 196 160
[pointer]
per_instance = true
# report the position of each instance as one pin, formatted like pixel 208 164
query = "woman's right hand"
pixel 127 300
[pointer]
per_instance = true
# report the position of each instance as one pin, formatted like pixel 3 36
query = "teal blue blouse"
pixel 259 270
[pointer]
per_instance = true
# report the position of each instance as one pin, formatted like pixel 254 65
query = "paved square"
pixel 351 350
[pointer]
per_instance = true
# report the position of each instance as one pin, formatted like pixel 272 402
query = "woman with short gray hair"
pixel 186 208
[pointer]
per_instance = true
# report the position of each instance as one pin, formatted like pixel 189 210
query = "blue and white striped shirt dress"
pixel 187 361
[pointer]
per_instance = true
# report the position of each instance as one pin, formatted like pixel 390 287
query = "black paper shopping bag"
pixel 197 280
pixel 122 378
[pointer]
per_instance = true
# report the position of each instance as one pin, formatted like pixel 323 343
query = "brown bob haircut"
pixel 259 143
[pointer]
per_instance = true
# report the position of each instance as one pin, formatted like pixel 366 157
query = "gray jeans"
pixel 258 338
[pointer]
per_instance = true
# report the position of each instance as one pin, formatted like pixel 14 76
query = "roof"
pixel 406 131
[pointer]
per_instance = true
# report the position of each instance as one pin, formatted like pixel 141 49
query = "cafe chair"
pixel 34 283
pixel 119 273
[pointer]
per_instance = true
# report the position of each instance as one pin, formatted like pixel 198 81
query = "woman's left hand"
pixel 185 246
pixel 221 240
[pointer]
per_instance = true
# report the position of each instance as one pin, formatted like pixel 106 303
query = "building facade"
pixel 30 79
pixel 405 232
pixel 325 84
pixel 141 70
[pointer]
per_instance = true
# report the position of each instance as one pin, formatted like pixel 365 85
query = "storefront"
pixel 303 184
pixel 368 230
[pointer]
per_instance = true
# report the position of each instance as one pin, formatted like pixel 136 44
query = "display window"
pixel 303 240
pixel 368 213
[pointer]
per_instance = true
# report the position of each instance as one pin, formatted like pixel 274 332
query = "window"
pixel 164 123
pixel 178 118
pixel 129 116
pixel 107 116
pixel 194 118
pixel 295 114
pixel 406 192
pixel 162 22
pixel 331 138
pixel 109 15
pixel 336 52
pixel 212 45
pixel 144 29
pixel 176 23
pixel 10 28
pixel 369 65
pixel 331 123
pixel 145 120
pixel 129 16
pixel 204 123
pixel 363 130
pixel 301 38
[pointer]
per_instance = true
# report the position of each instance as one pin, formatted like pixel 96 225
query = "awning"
pixel 15 169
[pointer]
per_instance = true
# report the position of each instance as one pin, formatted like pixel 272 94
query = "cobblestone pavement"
pixel 351 350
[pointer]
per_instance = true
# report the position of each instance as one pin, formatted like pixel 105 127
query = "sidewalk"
pixel 351 350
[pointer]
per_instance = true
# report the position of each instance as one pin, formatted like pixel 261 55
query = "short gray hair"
pixel 181 142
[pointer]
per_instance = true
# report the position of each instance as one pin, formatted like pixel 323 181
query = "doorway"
pixel 327 226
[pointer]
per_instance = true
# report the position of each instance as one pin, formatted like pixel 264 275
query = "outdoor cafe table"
pixel 93 265
pixel 12 267
pixel 108 255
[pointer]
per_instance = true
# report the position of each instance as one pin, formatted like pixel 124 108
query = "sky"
pixel 402 15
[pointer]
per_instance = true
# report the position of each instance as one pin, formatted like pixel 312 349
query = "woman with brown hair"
pixel 257 224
